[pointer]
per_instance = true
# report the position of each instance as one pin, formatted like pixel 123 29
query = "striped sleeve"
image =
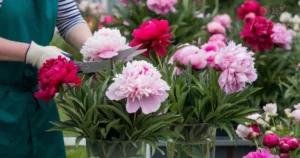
pixel 68 16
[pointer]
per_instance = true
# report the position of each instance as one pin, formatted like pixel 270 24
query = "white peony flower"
pixel 270 109
pixel 105 44
pixel 297 106
pixel 296 19
pixel 285 17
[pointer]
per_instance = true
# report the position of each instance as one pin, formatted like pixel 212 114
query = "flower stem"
pixel 159 61
pixel 134 118
pixel 256 144
pixel 274 124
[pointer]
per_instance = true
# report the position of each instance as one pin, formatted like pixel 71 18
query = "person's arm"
pixel 71 25
pixel 32 53
pixel 12 51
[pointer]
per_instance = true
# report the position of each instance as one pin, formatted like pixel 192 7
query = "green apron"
pixel 23 119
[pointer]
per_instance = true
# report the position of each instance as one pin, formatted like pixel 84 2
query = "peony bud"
pixel 283 147
pixel 271 140
pixel 293 143
pixel 298 66
pixel 273 129
pixel 284 155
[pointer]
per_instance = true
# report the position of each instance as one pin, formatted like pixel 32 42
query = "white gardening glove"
pixel 37 55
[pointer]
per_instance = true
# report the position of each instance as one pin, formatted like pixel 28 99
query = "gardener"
pixel 26 28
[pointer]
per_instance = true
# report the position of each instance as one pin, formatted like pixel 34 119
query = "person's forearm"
pixel 12 51
pixel 78 35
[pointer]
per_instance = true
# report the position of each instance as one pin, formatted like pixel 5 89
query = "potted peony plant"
pixel 208 85
pixel 119 110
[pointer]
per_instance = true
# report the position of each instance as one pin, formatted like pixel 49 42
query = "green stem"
pixel 203 7
pixel 159 61
pixel 134 118
pixel 274 124
pixel 217 5
pixel 256 144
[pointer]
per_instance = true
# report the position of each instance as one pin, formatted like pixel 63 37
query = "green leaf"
pixel 119 112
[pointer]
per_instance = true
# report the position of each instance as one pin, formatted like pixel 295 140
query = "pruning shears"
pixel 95 66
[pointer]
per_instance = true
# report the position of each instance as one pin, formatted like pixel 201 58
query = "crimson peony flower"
pixel 154 35
pixel 270 140
pixel 53 74
pixel 250 7
pixel 288 144
pixel 257 33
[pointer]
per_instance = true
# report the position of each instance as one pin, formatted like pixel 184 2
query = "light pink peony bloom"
pixel 288 111
pixel 190 54
pixel 243 131
pixel 215 27
pixel 162 6
pixel 248 132
pixel 141 83
pixel 297 106
pixel 83 5
pixel 105 44
pixel 270 109
pixel 296 115
pixel 262 153
pixel 217 37
pixel 223 19
pixel 282 36
pixel 212 48
pixel 237 65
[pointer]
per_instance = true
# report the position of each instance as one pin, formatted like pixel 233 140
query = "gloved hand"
pixel 37 55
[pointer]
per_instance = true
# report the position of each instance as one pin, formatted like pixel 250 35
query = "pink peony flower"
pixel 270 140
pixel 217 37
pixel 270 109
pixel 262 153
pixel 154 35
pixel 250 6
pixel 53 74
pixel 237 65
pixel 215 27
pixel 257 34
pixel 282 36
pixel 141 83
pixel 249 17
pixel 223 19
pixel 190 54
pixel 296 115
pixel 162 6
pixel 105 44
pixel 212 48
pixel 97 9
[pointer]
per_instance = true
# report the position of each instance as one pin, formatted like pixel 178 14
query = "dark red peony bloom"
pixel 154 35
pixel 248 7
pixel 53 74
pixel 257 33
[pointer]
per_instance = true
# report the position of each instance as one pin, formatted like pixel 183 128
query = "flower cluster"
pixel 162 6
pixel 95 9
pixel 279 139
pixel 141 84
pixel 105 44
pixel 259 32
pixel 219 24
pixel 153 35
pixel 53 74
